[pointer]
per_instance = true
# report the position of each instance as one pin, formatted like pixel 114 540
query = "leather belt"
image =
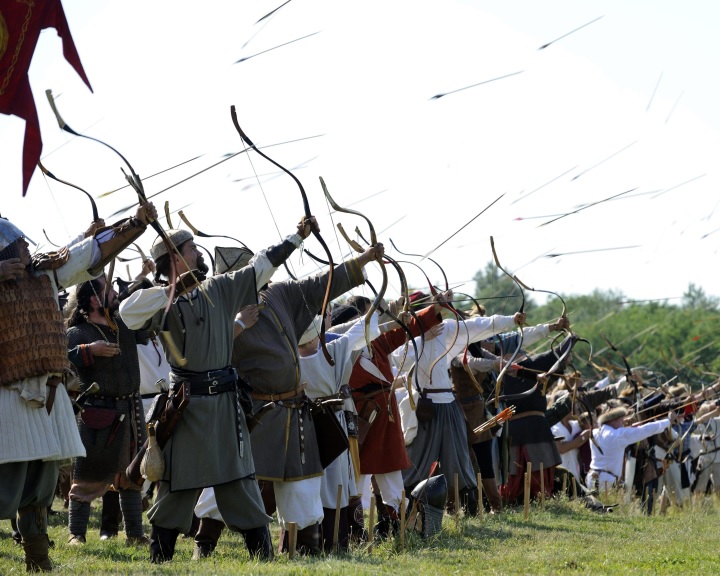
pixel 298 392
pixel 436 390
pixel 212 376
pixel 210 388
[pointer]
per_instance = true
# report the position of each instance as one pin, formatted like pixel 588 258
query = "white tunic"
pixel 608 466
pixel 325 380
pixel 469 331
pixel 569 458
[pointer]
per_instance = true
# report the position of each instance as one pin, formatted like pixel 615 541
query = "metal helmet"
pixel 8 233
pixel 431 495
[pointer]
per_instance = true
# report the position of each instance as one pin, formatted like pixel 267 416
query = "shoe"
pixel 76 540
pixel 107 535
pixel 141 540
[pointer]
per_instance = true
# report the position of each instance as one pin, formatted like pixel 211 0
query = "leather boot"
pixel 207 537
pixel 259 543
pixel 490 490
pixel 162 544
pixel 308 540
pixel 36 553
pixel 388 523
pixel 32 524
pixel 381 530
pixel 355 520
pixel 328 530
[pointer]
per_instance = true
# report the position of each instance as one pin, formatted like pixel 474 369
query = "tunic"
pixel 325 380
pixel 202 450
pixel 266 357
pixel 383 450
pixel 608 466
pixel 113 443
pixel 466 391
pixel 570 458
pixel 27 432
pixel 444 438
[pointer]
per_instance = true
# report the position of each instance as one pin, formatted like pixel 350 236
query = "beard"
pixel 113 305
pixel 200 264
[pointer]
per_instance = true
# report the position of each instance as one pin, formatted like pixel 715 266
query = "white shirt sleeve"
pixel 142 305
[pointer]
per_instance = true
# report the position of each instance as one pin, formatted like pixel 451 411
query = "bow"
pixel 134 180
pixel 373 242
pixel 501 376
pixel 306 206
pixel 465 364
pixel 92 200
pixel 628 370
pixel 445 305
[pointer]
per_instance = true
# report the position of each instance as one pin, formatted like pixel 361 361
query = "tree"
pixel 696 299
pixel 498 293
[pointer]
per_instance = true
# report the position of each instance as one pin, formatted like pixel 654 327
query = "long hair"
pixel 83 293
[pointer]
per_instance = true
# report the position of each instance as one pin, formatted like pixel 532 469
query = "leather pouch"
pixel 98 418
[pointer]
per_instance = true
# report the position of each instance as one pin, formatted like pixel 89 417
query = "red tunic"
pixel 383 449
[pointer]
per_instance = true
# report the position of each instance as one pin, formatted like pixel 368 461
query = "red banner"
pixel 20 24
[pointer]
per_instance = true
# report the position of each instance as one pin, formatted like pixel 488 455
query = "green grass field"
pixel 562 538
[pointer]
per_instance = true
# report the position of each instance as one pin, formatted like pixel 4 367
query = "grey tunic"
pixel 266 357
pixel 204 450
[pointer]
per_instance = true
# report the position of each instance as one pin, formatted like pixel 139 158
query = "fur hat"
pixel 312 331
pixel 177 237
pixel 231 259
pixel 612 415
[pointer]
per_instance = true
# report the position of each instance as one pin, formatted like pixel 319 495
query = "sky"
pixel 624 107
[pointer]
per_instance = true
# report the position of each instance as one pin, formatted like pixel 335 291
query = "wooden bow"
pixel 308 214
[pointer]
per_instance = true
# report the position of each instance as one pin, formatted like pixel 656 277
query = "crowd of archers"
pixel 205 398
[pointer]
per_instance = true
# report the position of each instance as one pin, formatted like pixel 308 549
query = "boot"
pixel 207 537
pixel 388 523
pixel 259 543
pixel 194 527
pixel 32 524
pixel 490 490
pixel 469 501
pixel 36 553
pixel 111 515
pixel 308 540
pixel 355 520
pixel 382 528
pixel 328 530
pixel 162 544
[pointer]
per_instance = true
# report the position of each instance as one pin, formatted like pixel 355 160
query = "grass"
pixel 562 538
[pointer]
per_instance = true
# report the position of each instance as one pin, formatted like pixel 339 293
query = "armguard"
pixel 124 233
pixel 279 253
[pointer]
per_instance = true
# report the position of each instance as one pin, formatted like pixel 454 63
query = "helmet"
pixel 8 233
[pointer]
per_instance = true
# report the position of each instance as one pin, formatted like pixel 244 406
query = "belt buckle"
pixel 212 389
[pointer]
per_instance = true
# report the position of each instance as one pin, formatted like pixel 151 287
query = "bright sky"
pixel 628 102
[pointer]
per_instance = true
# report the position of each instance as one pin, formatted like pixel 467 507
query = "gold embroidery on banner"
pixel 5 35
